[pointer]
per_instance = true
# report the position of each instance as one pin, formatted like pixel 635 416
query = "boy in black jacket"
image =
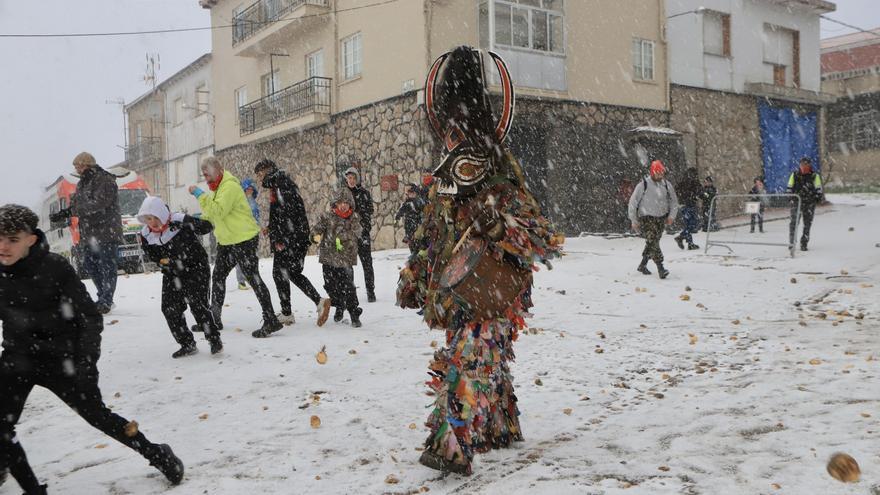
pixel 411 213
pixel 171 241
pixel 289 236
pixel 52 338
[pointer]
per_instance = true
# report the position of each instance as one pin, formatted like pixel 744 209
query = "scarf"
pixel 341 214
pixel 213 185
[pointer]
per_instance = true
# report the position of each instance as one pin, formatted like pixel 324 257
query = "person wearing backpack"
pixel 653 205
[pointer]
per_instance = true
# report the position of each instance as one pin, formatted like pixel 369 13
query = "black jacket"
pixel 709 192
pixel 288 223
pixel 96 204
pixel 411 212
pixel 184 253
pixel 807 186
pixel 689 191
pixel 46 312
pixel 363 205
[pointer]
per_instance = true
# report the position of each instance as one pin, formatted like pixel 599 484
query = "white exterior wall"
pixel 689 66
pixel 191 139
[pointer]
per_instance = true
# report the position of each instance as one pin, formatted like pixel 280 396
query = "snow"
pixel 719 398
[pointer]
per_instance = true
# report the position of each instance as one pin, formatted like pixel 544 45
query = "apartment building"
pixel 321 85
pixel 746 86
pixel 851 71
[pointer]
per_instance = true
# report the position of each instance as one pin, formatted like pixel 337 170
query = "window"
pixel 177 111
pixel 315 64
pixel 716 33
pixel 203 98
pixel 270 83
pixel 779 53
pixel 238 24
pixel 530 24
pixel 643 59
pixel 352 56
pixel 240 101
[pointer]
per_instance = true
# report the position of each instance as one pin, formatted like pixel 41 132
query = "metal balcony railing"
pixel 302 98
pixel 263 13
pixel 144 152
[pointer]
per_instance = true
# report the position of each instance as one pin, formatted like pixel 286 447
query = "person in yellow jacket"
pixel 237 233
pixel 807 184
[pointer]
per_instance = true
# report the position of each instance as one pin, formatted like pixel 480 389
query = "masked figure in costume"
pixel 479 242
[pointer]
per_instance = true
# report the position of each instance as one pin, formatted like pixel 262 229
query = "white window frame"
pixel 352 56
pixel 203 98
pixel 240 100
pixel 550 16
pixel 270 86
pixel 640 60
pixel 177 110
pixel 317 55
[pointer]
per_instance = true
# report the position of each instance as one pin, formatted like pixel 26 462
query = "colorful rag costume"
pixel 479 198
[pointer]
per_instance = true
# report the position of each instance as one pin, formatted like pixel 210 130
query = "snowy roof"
pixel 647 129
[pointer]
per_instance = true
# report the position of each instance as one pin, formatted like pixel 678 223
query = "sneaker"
pixel 242 287
pixel 337 316
pixel 268 328
pixel 356 317
pixel 692 247
pixel 323 309
pixel 680 242
pixel 371 296
pixel 168 464
pixel 216 346
pixel 286 318
pixel 186 350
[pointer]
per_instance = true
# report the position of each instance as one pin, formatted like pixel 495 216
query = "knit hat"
pixel 245 184
pixel 84 159
pixel 657 167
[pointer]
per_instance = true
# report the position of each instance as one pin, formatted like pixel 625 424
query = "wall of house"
pixel 689 66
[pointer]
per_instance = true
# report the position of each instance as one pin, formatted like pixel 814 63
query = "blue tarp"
pixel 786 137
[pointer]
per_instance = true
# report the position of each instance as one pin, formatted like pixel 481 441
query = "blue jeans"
pixel 691 221
pixel 99 262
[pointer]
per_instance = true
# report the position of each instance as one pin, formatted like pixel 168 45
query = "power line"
pixel 872 33
pixel 179 30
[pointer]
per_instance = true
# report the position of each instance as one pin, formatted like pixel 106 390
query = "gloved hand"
pixel 196 191
pixel 60 215
pixel 316 238
pixel 339 244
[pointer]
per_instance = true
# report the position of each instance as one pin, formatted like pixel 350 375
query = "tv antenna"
pixel 153 66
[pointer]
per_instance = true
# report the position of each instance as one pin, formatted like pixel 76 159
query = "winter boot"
pixel 662 272
pixel 269 327
pixel 643 267
pixel 356 317
pixel 167 463
pixel 371 296
pixel 185 350
pixel 693 246
pixel 286 318
pixel 216 345
pixel 680 241
pixel 41 490
pixel 323 309
pixel 440 463
pixel 337 316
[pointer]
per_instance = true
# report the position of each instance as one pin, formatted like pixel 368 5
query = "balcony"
pixel 304 104
pixel 267 25
pixel 147 151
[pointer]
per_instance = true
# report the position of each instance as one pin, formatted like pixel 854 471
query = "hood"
pixel 352 170
pixel 153 205
pixel 249 183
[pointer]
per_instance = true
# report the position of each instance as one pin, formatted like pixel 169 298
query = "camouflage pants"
pixel 652 230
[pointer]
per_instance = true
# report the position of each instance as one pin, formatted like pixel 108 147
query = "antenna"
pixel 153 67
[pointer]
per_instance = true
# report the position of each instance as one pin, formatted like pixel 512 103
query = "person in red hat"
pixel 653 205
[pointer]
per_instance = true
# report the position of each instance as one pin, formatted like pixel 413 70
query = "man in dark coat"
pixel 689 191
pixel 709 193
pixel 364 208
pixel 96 205
pixel 289 237
pixel 52 338
pixel 411 213
pixel 807 184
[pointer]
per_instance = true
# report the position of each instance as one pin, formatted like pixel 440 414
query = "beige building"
pixel 320 85
pixel 146 140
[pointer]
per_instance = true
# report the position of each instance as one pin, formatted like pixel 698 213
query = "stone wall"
pixel 854 157
pixel 388 138
pixel 724 133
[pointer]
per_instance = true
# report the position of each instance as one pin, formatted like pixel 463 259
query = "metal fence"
pixel 261 14
pixel 146 150
pixel 787 207
pixel 302 98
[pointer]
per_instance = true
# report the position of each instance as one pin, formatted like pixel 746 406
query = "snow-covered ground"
pixel 746 385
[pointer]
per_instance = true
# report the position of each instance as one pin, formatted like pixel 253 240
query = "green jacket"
pixel 228 209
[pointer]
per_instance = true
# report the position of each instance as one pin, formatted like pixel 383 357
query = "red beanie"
pixel 657 167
